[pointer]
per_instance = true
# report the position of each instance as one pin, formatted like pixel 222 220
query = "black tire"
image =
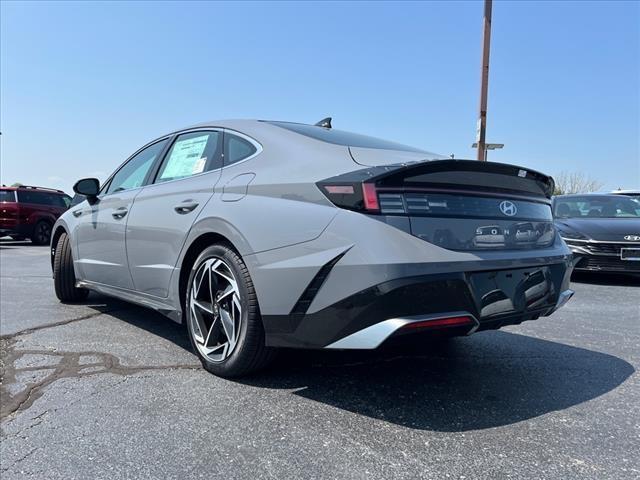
pixel 250 353
pixel 64 278
pixel 41 233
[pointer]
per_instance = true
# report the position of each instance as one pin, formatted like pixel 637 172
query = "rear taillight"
pixel 370 197
pixel 358 196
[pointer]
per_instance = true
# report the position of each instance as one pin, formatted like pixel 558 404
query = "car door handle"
pixel 77 213
pixel 119 213
pixel 185 207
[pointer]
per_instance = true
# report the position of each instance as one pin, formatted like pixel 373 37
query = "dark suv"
pixel 30 212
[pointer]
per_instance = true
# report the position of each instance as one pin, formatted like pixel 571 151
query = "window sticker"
pixel 186 158
pixel 198 167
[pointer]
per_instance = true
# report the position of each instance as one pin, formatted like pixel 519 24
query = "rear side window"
pixel 237 148
pixel 38 198
pixel 191 154
pixel 7 196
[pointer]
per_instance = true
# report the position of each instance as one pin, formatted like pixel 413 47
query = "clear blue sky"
pixel 85 84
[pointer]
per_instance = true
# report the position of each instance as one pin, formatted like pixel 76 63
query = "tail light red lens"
pixel 370 196
pixel 441 322
pixel 358 196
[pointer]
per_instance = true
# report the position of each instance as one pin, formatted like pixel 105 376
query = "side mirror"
pixel 89 187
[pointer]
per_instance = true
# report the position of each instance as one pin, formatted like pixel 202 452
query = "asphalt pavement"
pixel 105 389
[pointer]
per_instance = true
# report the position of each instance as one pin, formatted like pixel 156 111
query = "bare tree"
pixel 575 182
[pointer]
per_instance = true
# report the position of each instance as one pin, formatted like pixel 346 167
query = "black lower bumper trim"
pixel 495 298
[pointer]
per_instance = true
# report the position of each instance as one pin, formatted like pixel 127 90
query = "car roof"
pixel 31 187
pixel 623 192
pixel 590 194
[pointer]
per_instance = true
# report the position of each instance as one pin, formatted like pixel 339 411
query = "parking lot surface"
pixel 109 390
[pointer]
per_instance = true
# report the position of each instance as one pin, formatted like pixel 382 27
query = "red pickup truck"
pixel 30 212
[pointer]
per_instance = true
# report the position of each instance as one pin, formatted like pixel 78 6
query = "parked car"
pixel 602 230
pixel 635 194
pixel 263 234
pixel 30 212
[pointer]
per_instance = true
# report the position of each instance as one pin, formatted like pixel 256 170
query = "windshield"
pixel 596 206
pixel 340 137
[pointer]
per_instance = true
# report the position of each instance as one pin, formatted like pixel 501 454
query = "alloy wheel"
pixel 43 233
pixel 216 310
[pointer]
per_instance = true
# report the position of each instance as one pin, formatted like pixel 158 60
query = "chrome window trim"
pixel 176 135
pixel 183 178
pixel 249 139
pixel 149 144
pixel 168 137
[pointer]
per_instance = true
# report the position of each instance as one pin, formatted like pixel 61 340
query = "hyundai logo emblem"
pixel 508 208
pixel 632 238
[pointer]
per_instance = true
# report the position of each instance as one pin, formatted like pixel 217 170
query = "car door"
pixel 165 210
pixel 101 229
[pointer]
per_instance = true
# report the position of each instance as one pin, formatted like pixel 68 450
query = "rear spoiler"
pixel 453 176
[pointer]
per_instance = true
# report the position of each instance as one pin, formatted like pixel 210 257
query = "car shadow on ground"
pixel 140 317
pixel 8 243
pixel 484 381
pixel 620 280
pixel 488 380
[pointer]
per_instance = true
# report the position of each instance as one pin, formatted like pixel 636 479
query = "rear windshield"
pixel 7 196
pixel 596 206
pixel 340 137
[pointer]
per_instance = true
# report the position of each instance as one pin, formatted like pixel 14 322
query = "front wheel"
pixel 223 317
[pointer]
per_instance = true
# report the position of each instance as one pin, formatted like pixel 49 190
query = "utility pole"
pixel 484 82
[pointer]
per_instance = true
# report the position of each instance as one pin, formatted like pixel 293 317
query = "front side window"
pixel 61 200
pixel 237 148
pixel 191 154
pixel 133 173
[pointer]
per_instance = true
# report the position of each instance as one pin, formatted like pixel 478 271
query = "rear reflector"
pixel 441 322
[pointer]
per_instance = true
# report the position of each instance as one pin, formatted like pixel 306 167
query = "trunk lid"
pixel 471 205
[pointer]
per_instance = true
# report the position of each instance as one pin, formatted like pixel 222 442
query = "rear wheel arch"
pixel 196 247
pixel 55 236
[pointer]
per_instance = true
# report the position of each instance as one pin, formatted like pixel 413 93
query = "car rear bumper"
pixel 451 303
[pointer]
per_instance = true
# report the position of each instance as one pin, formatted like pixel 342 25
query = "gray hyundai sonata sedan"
pixel 261 234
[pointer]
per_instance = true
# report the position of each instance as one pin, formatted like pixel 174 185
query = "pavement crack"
pixel 68 366
pixel 21 459
pixel 27 331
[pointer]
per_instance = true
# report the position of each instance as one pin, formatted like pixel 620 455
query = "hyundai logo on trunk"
pixel 508 208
